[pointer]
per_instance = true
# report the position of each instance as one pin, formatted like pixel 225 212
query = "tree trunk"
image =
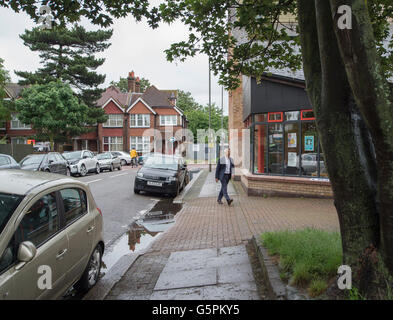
pixel 344 138
pixel 372 95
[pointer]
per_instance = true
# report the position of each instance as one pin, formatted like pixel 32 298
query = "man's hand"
pixel 216 180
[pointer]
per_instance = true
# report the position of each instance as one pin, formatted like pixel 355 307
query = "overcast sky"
pixel 135 47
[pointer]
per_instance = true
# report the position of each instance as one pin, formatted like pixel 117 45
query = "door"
pixel 44 276
pixel 80 230
pixel 53 163
pixel 7 261
pixel 62 164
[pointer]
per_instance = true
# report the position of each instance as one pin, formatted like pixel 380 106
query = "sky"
pixel 135 47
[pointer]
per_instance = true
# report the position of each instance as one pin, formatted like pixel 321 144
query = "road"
pixel 114 195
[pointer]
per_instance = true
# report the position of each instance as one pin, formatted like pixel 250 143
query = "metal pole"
pixel 222 107
pixel 210 115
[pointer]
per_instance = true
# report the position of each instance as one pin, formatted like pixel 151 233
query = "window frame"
pixel 110 143
pixel 143 143
pixel 63 213
pixel 21 126
pixel 271 113
pixel 145 117
pixel 164 116
pixel 306 118
pixel 116 120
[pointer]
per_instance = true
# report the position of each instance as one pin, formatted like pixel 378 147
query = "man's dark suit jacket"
pixel 221 166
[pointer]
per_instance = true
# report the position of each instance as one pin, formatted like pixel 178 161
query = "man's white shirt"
pixel 227 165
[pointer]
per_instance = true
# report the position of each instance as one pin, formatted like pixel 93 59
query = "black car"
pixel 49 162
pixel 8 162
pixel 162 174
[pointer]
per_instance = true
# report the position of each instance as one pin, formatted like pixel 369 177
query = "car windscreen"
pixel 4 161
pixel 166 163
pixel 73 155
pixel 103 156
pixel 35 159
pixel 8 204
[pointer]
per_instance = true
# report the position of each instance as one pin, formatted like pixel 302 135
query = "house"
pixel 148 121
pixel 16 131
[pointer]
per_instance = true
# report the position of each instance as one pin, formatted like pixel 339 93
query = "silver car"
pixel 108 161
pixel 50 235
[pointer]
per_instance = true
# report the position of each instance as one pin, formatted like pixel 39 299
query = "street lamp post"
pixel 210 115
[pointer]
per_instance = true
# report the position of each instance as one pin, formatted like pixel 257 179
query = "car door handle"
pixel 90 229
pixel 61 254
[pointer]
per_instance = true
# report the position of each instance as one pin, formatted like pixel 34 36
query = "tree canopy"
pixel 68 54
pixel 4 78
pixel 53 110
pixel 122 84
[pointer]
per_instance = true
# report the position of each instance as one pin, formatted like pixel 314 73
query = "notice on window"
pixel 308 143
pixel 292 159
pixel 292 140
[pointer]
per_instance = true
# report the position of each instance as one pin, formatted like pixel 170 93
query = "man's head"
pixel 227 152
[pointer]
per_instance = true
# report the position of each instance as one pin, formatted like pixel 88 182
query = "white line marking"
pixel 94 181
pixel 118 175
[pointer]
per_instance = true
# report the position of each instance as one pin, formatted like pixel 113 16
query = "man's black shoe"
pixel 219 201
pixel 230 201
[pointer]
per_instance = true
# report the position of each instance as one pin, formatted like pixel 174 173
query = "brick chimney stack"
pixel 131 82
pixel 138 85
pixel 172 100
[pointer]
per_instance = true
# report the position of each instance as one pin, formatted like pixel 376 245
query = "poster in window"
pixel 292 140
pixel 292 159
pixel 308 143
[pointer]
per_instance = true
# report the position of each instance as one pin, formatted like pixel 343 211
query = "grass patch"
pixel 310 257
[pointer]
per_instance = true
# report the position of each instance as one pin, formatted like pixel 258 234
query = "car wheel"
pixel 123 162
pixel 111 167
pixel 136 191
pixel 91 274
pixel 68 172
pixel 83 170
pixel 47 170
pixel 119 167
pixel 98 170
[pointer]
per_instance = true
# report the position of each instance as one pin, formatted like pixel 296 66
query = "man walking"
pixel 224 171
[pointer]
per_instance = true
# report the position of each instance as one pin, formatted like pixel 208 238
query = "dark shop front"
pixel 284 142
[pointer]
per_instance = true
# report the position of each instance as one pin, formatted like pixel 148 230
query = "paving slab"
pixel 231 292
pixel 186 279
pixel 178 294
pixel 235 274
pixel 211 188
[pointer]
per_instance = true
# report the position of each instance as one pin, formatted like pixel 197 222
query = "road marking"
pixel 118 175
pixel 93 181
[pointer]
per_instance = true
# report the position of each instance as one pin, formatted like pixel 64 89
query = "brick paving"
pixel 203 223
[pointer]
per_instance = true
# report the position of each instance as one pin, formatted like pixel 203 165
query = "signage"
pixel 308 143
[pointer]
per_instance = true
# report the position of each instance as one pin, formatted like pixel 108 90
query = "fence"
pixel 17 151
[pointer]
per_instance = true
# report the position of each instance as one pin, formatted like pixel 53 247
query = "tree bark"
pixel 344 138
pixel 372 95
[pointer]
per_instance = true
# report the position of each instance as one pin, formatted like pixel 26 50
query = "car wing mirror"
pixel 26 252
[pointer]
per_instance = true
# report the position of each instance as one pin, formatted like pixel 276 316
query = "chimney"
pixel 137 85
pixel 131 82
pixel 172 100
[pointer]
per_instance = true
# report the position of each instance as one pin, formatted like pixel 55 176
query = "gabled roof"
pixel 116 94
pixel 115 102
pixel 13 90
pixel 141 100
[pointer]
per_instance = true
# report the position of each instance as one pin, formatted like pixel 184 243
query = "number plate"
pixel 156 184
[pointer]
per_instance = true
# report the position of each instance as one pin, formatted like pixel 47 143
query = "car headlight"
pixel 140 174
pixel 172 178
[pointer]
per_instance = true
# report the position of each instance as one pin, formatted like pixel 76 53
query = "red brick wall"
pixel 112 108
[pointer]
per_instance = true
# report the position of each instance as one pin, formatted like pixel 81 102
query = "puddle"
pixel 142 232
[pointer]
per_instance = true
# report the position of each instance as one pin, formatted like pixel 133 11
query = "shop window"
pixel 260 148
pixel 292 149
pixel 275 116
pixel 292 115
pixel 307 115
pixel 309 156
pixel 276 144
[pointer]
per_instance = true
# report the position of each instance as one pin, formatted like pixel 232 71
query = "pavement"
pixel 203 254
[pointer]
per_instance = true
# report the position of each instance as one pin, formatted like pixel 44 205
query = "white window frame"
pixel 141 144
pixel 164 120
pixel 113 143
pixel 20 125
pixel 18 138
pixel 137 118
pixel 1 125
pixel 115 120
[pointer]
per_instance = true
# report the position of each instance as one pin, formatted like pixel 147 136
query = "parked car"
pixel 48 223
pixel 124 157
pixel 163 174
pixel 82 162
pixel 108 161
pixel 310 163
pixel 49 162
pixel 8 162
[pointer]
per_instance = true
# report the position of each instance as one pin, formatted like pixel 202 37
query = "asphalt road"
pixel 114 195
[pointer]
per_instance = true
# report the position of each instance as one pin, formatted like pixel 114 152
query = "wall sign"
pixel 308 143
pixel 292 159
pixel 292 140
